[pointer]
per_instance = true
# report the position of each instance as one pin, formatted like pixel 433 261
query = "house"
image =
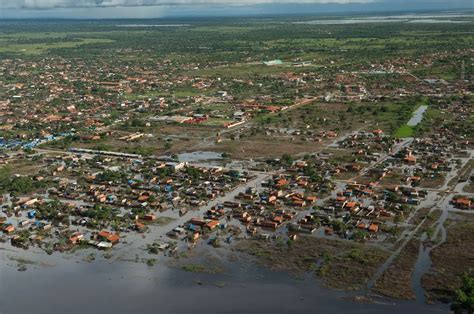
pixel 8 229
pixel 103 235
pixel 328 231
pixel 462 202
pixel 149 217
pixel 75 238
pixel 197 222
pixel 311 199
pixel 299 202
pixel 104 245
pixel 373 228
pixel 144 197
pixel 377 132
pixel 212 224
pixel 194 236
pixel 352 206
pixel 282 182
pixel 176 166
pixel 409 158
pixel 278 219
pixel 113 239
pixel 46 226
pixel 269 224
pixel 140 227
pixel 106 236
pixel 24 223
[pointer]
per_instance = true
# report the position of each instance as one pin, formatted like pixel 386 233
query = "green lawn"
pixel 404 131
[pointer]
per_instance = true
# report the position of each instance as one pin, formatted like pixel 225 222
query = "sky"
pixel 102 9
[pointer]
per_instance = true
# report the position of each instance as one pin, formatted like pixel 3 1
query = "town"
pixel 303 155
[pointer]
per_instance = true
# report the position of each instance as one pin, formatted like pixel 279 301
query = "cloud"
pixel 54 4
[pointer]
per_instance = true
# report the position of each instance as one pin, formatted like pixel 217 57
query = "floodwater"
pixel 437 21
pixel 129 287
pixel 381 20
pixel 406 18
pixel 199 156
pixel 422 265
pixel 417 116
pixel 153 25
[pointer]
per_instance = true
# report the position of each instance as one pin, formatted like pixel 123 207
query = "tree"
pixel 287 159
pixel 464 300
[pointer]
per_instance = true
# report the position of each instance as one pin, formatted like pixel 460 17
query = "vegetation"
pixel 17 184
pixel 404 131
pixel 464 299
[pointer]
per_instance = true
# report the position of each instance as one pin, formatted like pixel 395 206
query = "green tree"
pixel 287 159
pixel 464 300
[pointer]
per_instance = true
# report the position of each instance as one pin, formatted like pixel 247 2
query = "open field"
pixel 404 131
pixel 39 48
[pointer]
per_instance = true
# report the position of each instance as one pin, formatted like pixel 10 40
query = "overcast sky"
pixel 170 8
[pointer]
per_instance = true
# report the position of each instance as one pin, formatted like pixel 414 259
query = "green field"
pixel 39 48
pixel 404 131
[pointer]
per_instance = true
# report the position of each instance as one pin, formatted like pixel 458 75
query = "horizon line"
pixel 211 16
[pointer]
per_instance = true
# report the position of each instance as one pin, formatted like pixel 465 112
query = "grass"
pixel 216 122
pixel 35 49
pixel 404 131
pixel 194 268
